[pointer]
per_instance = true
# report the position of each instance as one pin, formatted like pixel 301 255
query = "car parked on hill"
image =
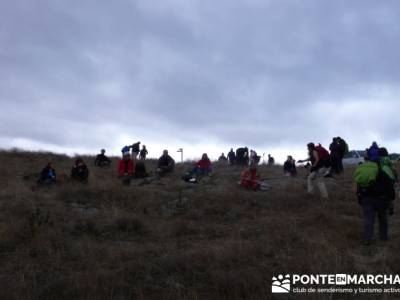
pixel 354 157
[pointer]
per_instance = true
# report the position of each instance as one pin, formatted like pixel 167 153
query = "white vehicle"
pixel 354 157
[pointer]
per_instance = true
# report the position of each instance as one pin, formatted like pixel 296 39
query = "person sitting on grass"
pixel 250 178
pixel 166 164
pixel 140 170
pixel 48 175
pixel 203 166
pixel 80 171
pixel 126 168
pixel 102 160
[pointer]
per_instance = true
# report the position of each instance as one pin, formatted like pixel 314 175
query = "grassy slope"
pixel 168 239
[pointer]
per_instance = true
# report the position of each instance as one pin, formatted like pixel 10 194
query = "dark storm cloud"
pixel 251 72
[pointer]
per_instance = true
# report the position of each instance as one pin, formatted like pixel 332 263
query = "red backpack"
pixel 322 152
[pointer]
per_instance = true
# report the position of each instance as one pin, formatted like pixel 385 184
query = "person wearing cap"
pixel 101 159
pixel 80 171
pixel 166 164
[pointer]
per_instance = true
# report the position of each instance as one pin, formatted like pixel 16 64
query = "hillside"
pixel 166 239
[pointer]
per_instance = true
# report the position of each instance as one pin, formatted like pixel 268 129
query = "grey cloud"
pixel 239 72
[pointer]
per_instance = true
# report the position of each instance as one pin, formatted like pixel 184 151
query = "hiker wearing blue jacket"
pixel 373 152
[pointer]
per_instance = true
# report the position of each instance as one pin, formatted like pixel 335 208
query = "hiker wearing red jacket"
pixel 203 166
pixel 319 158
pixel 126 168
pixel 250 178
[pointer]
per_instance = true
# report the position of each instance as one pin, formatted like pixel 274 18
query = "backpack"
pixel 344 147
pixel 322 152
pixel 366 174
pixel 388 168
pixel 125 149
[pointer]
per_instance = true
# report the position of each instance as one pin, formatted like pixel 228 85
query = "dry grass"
pixel 166 239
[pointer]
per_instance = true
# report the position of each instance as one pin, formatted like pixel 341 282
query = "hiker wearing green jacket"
pixel 375 191
pixel 387 166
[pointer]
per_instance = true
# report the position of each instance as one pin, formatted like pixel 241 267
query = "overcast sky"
pixel 77 76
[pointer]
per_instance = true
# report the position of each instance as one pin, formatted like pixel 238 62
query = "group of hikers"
pixel 375 178
pixel 242 156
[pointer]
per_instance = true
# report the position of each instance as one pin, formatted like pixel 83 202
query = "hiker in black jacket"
pixel 166 164
pixel 143 152
pixel 231 157
pixel 135 150
pixel 242 156
pixel 289 167
pixel 80 171
pixel 102 160
pixel 48 175
pixel 344 149
pixel 335 156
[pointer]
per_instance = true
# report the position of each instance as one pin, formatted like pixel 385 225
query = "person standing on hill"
pixel 143 152
pixel 135 150
pixel 289 167
pixel 375 192
pixel 271 160
pixel 344 149
pixel 387 167
pixel 242 156
pixel 335 156
pixel 254 158
pixel 231 157
pixel 319 159
pixel 372 152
